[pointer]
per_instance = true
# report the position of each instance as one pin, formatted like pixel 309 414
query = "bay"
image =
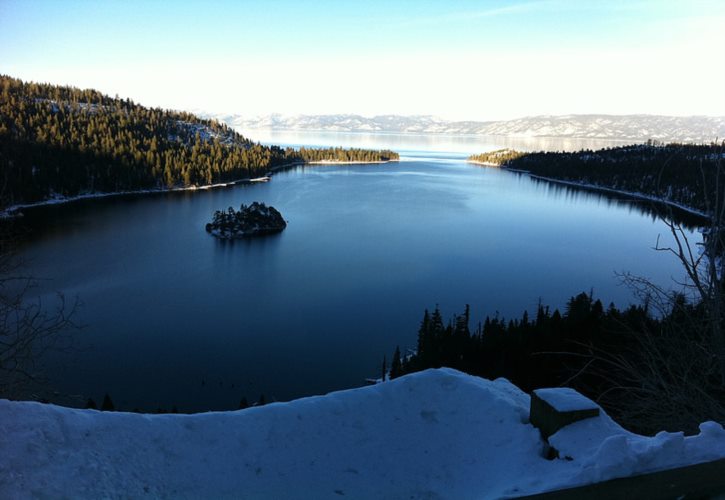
pixel 174 317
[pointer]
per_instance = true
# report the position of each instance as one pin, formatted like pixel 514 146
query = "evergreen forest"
pixel 657 365
pixel 343 155
pixel 650 372
pixel 58 141
pixel 497 157
pixel 684 174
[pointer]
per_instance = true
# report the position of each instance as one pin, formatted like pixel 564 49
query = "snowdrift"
pixel 434 434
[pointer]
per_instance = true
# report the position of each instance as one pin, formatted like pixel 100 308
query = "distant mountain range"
pixel 628 127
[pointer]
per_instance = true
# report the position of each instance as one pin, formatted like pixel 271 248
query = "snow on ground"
pixel 435 434
pixel 57 199
pixel 566 399
pixel 603 450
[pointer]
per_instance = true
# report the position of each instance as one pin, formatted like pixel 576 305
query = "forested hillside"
pixel 685 174
pixel 64 141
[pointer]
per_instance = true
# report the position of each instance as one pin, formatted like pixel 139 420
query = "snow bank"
pixel 434 434
pixel 603 450
pixel 566 399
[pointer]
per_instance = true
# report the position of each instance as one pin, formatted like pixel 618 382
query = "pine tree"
pixel 396 364
pixel 424 337
pixel 107 404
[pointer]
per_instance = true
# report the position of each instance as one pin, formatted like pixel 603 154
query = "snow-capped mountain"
pixel 629 127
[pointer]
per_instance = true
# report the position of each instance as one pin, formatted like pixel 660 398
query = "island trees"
pixel 254 220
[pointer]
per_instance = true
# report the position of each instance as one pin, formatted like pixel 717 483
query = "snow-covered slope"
pixel 436 434
pixel 625 127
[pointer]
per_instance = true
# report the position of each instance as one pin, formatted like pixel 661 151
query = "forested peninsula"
pixel 681 174
pixel 340 155
pixel 59 141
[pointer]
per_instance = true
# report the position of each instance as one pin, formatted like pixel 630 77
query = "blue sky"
pixel 457 59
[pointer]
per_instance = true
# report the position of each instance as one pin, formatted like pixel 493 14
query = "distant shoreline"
pixel 352 162
pixel 484 163
pixel 15 210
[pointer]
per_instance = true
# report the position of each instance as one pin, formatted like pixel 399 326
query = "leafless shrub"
pixel 660 375
pixel 669 374
pixel 28 329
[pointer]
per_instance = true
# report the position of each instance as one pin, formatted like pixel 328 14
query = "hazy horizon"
pixel 459 61
pixel 437 117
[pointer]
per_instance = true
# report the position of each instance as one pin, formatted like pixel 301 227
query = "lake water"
pixel 175 317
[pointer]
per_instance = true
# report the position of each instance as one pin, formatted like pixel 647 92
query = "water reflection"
pixel 656 211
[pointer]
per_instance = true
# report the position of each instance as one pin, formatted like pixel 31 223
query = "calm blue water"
pixel 176 317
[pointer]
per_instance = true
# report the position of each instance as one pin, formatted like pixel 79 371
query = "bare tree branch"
pixel 28 329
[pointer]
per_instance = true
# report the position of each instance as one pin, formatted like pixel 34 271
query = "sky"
pixel 455 59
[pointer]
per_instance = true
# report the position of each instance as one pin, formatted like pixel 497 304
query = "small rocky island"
pixel 254 220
